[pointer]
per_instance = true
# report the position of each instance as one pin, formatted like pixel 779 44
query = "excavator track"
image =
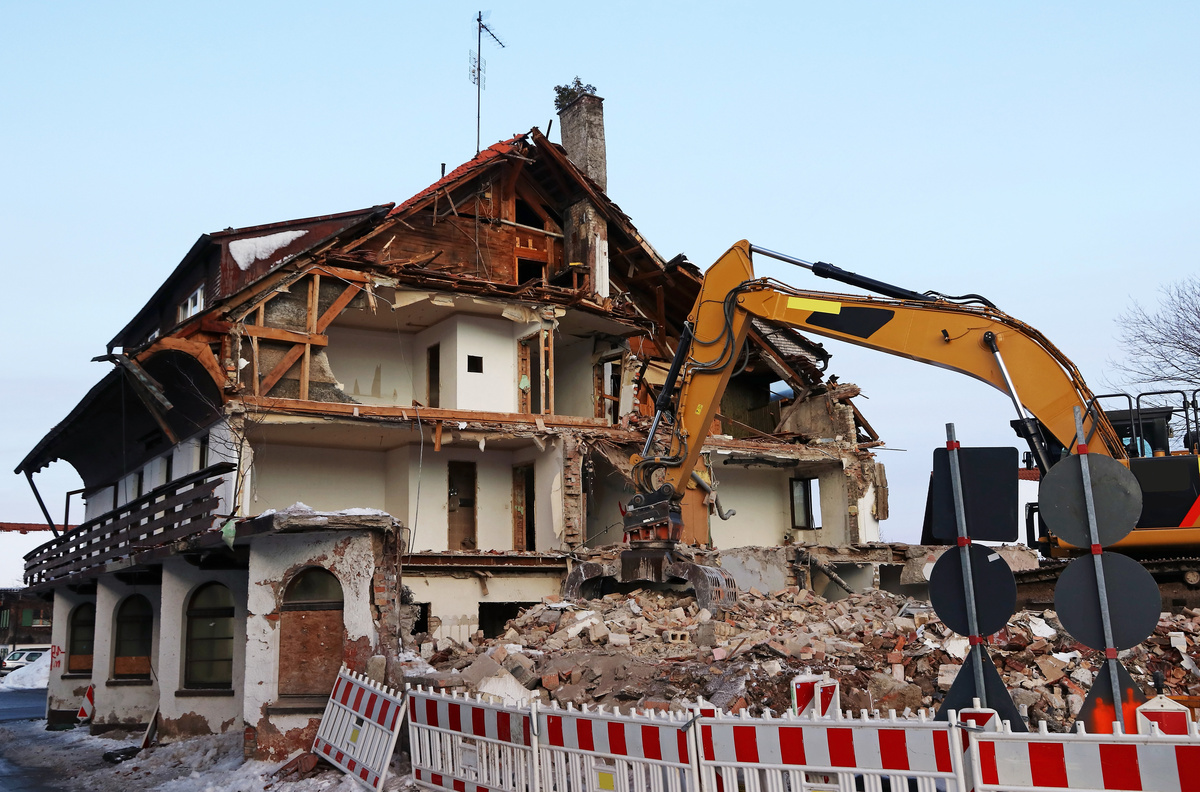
pixel 1178 579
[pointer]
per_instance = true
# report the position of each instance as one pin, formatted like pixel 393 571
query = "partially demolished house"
pixel 323 437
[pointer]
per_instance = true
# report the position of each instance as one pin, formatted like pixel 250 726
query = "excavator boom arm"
pixel 936 332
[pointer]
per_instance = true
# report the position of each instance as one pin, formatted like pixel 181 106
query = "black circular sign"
pixel 995 590
pixel 1115 494
pixel 1134 601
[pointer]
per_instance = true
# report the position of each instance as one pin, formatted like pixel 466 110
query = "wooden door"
pixel 460 500
pixel 522 500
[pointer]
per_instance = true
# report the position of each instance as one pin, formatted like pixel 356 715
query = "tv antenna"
pixel 479 67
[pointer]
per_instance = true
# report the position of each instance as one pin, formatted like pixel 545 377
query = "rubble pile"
pixel 659 650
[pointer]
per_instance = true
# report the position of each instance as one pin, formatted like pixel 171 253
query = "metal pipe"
pixel 825 270
pixel 1097 559
pixel 964 554
pixel 704 485
pixel 1030 432
pixel 45 511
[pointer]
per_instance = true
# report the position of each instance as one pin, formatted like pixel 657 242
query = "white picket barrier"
pixel 594 750
pixel 359 729
pixel 468 744
pixel 1024 762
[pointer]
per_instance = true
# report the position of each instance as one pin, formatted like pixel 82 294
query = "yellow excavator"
pixel 967 334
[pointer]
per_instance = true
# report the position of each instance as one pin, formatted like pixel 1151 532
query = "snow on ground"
pixel 34 675
pixel 73 761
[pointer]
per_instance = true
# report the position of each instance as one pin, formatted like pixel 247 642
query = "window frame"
pixel 119 639
pixel 191 615
pixel 74 641
pixel 807 486
pixel 192 305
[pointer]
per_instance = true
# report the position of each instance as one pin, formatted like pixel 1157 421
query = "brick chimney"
pixel 581 125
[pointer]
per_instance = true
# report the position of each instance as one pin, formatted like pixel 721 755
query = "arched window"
pixel 209 656
pixel 134 638
pixel 311 634
pixel 82 637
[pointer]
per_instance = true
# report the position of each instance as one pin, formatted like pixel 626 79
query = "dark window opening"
pixel 474 364
pixel 81 640
pixel 526 216
pixel 168 468
pixel 203 452
pixel 494 616
pixel 209 656
pixel 421 624
pixel 140 484
pixel 528 270
pixel 433 373
pixel 134 638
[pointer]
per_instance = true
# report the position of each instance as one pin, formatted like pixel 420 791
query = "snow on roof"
pixel 247 251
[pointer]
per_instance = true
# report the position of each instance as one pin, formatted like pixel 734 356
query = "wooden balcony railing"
pixel 173 511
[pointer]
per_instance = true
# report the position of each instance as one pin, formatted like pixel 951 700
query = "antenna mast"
pixel 478 67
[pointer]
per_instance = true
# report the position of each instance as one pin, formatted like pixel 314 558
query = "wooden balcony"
pixel 174 511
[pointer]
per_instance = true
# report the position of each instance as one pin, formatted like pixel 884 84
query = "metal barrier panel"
pixel 359 729
pixel 602 751
pixel 796 754
pixel 469 744
pixel 1039 761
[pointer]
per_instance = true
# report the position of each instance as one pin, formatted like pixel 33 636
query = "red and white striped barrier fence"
pixel 816 693
pixel 464 744
pixel 359 729
pixel 468 744
pixel 1008 762
pixel 829 753
pixel 604 751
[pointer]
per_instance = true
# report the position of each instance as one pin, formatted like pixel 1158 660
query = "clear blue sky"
pixel 1041 154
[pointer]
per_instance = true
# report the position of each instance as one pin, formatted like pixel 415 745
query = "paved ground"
pixel 22 704
pixel 18 705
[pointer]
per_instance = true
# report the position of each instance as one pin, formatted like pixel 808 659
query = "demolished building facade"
pixel 323 437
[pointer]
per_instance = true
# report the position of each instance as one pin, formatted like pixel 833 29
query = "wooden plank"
pixel 335 310
pixel 320 409
pixel 290 336
pixel 282 367
pixel 106 547
pixel 199 509
pixel 437 436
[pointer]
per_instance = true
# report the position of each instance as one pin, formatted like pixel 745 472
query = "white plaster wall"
pixel 445 334
pixel 327 479
pixel 493 497
pixel 97 502
pixel 573 376
pixel 760 496
pixel 64 694
pixel 185 459
pixel 357 356
pixel 121 703
pixel 456 600
pixel 835 523
pixel 180 579
pixel 273 561
pixel 495 389
pixel 397 471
